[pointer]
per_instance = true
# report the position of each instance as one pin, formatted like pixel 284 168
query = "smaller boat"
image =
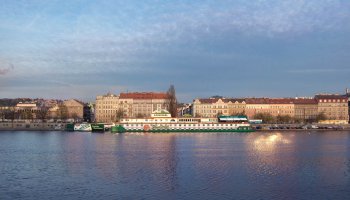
pixel 83 127
pixel 98 127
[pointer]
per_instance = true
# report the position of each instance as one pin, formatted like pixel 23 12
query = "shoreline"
pixel 61 126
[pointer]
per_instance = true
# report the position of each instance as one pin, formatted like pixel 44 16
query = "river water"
pixel 260 165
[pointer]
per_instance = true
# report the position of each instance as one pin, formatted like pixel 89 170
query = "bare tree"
pixel 43 113
pixel 140 115
pixel 11 114
pixel 2 115
pixel 26 114
pixel 62 112
pixel 321 116
pixel 172 101
pixel 119 114
pixel 75 116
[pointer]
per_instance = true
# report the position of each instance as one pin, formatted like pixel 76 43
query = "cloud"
pixel 5 67
pixel 312 71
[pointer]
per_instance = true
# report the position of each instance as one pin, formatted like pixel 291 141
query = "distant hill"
pixel 13 102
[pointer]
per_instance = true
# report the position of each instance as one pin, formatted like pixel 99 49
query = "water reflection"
pixel 270 165
pixel 269 143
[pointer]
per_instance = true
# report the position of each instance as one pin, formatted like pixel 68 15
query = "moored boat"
pixel 97 127
pixel 83 127
pixel 165 123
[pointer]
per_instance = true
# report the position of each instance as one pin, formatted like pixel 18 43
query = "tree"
pixel 265 117
pixel 284 119
pixel 26 114
pixel 139 115
pixel 2 115
pixel 62 112
pixel 171 101
pixel 42 113
pixel 75 116
pixel 11 114
pixel 321 116
pixel 298 120
pixel 119 114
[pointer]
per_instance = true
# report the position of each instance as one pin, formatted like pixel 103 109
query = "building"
pixel 335 107
pixel 256 105
pixel 305 109
pixel 27 106
pixel 212 107
pixel 75 109
pixel 106 107
pixel 134 104
pixel 142 104
pixel 282 106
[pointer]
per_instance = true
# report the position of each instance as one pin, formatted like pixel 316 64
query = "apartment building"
pixel 211 107
pixel 133 104
pixel 335 107
pixel 306 109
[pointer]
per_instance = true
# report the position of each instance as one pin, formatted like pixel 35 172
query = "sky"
pixel 257 48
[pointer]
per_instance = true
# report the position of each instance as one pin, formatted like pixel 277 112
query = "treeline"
pixel 267 118
pixel 13 102
pixel 43 114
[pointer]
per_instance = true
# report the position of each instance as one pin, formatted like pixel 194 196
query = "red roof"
pixel 330 96
pixel 225 100
pixel 257 101
pixel 269 101
pixel 305 101
pixel 143 95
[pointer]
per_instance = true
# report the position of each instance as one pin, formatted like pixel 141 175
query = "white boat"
pixel 162 121
pixel 84 127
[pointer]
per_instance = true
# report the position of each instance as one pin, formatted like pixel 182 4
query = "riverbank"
pixel 60 126
pixel 301 127
pixel 32 126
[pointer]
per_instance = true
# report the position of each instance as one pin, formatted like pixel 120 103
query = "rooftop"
pixel 143 95
pixel 330 96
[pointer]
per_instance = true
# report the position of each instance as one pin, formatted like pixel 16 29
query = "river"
pixel 260 165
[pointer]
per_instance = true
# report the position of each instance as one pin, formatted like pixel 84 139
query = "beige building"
pixel 273 106
pixel 142 104
pixel 211 107
pixel 106 107
pixel 75 109
pixel 256 105
pixel 282 106
pixel 335 107
pixel 134 104
pixel 305 109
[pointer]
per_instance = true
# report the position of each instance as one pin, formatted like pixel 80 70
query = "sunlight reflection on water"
pixel 261 165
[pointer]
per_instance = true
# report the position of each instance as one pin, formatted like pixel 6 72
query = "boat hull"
pixel 155 129
pixel 97 127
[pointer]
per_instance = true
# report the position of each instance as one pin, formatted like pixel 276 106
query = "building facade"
pixel 306 109
pixel 75 109
pixel 106 107
pixel 134 104
pixel 256 105
pixel 142 104
pixel 212 107
pixel 334 107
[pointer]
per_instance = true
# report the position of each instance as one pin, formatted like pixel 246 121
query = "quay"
pixel 62 126
pixel 32 126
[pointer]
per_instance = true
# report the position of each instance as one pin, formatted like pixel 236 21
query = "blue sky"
pixel 80 48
